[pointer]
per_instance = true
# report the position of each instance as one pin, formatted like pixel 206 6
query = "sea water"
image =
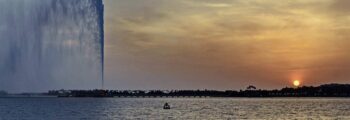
pixel 181 108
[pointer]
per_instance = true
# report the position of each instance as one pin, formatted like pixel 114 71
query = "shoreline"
pixel 47 96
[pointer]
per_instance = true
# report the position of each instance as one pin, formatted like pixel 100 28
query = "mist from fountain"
pixel 51 44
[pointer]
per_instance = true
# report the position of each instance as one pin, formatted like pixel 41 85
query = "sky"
pixel 225 44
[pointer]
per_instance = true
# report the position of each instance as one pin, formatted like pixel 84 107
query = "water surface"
pixel 182 108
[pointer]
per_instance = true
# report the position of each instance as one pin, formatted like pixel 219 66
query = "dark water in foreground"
pixel 182 108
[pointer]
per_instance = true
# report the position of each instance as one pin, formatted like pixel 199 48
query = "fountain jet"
pixel 51 44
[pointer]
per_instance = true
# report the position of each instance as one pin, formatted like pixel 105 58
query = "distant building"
pixel 251 87
pixel 3 93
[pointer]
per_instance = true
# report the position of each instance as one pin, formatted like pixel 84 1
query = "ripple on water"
pixel 182 108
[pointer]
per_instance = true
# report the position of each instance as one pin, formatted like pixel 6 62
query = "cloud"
pixel 233 42
pixel 340 7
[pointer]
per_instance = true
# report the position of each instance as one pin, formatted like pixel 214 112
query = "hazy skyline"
pixel 225 44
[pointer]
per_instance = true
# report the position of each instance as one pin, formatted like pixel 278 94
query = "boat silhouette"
pixel 166 106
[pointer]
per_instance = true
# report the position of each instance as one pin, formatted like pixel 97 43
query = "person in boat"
pixel 166 106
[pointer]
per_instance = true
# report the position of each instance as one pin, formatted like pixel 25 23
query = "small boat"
pixel 166 106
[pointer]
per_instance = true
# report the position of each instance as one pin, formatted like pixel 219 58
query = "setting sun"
pixel 296 83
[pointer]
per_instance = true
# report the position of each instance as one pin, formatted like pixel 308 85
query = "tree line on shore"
pixel 327 90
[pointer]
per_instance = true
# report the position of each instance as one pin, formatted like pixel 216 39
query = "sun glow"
pixel 296 83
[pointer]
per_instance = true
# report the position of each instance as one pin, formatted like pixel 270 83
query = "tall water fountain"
pixel 51 44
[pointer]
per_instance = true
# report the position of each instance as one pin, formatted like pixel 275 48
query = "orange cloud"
pixel 231 43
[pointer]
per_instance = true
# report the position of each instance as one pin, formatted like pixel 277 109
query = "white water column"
pixel 51 44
